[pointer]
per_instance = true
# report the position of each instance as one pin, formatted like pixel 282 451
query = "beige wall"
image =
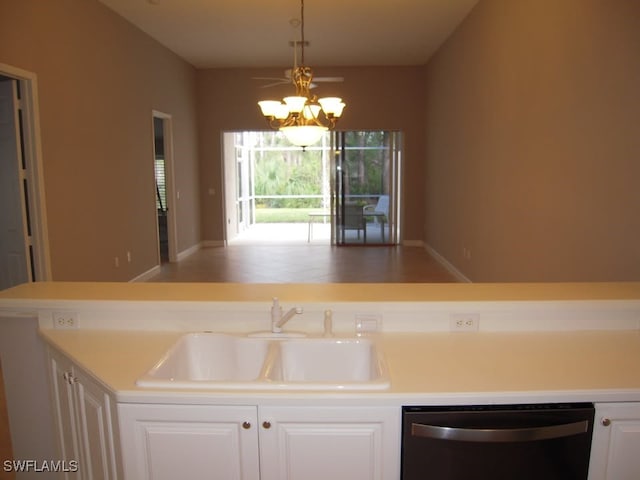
pixel 531 136
pixel 99 80
pixel 381 98
pixel 533 142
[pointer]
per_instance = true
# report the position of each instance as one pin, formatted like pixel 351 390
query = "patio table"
pixel 312 216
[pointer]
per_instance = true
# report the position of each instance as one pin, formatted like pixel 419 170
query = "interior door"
pixel 161 188
pixel 15 264
pixel 165 193
pixel 366 187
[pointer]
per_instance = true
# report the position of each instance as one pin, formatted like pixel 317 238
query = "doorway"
pixel 345 190
pixel 273 190
pixel 24 249
pixel 164 191
pixel 366 187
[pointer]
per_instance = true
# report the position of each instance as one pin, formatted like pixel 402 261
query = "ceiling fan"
pixel 287 79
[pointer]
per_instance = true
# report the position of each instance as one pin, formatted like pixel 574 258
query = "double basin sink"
pixel 223 361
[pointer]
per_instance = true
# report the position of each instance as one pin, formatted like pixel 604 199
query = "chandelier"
pixel 303 118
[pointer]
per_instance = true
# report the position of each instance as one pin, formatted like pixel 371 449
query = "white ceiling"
pixel 256 33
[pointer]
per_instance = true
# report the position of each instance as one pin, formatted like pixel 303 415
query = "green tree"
pixel 288 173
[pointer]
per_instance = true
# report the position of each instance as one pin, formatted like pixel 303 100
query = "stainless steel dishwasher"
pixel 497 442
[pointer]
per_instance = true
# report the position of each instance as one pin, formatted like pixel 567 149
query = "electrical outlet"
pixel 65 320
pixel 464 322
pixel 367 323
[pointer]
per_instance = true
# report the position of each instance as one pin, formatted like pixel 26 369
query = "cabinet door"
pixel 615 450
pixel 169 442
pixel 336 443
pixel 95 433
pixel 84 415
pixel 62 393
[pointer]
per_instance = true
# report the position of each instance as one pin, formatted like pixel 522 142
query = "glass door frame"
pixel 339 215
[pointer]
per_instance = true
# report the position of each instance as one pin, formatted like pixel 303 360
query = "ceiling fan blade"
pixel 273 81
pixel 274 84
pixel 328 79
pixel 277 79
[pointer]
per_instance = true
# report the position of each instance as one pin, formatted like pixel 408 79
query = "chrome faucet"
pixel 278 319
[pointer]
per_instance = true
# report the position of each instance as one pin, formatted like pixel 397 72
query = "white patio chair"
pixel 379 212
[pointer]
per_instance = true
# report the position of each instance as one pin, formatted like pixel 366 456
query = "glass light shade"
pixel 305 135
pixel 332 105
pixel 282 112
pixel 311 111
pixel 269 107
pixel 273 108
pixel 295 104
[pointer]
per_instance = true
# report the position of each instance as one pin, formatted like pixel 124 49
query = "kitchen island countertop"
pixel 536 342
pixel 427 368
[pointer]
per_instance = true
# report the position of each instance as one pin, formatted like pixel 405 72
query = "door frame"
pixel 394 185
pixel 28 82
pixel 167 133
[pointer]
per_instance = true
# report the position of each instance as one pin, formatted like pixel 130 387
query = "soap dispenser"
pixel 328 323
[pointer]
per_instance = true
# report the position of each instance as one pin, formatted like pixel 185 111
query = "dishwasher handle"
pixel 499 434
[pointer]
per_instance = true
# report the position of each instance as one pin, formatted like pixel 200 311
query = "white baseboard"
pixel 448 265
pixel 189 251
pixel 212 243
pixel 143 277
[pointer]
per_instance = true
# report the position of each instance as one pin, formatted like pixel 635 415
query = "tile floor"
pixel 288 257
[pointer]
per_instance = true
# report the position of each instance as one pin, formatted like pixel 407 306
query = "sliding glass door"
pixel 349 181
pixel 366 180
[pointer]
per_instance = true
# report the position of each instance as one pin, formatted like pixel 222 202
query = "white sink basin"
pixel 209 360
pixel 220 361
pixel 344 364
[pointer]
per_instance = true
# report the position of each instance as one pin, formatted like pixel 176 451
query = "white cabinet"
pixel 168 442
pixel 337 443
pixel 615 450
pixel 85 420
pixel 267 442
